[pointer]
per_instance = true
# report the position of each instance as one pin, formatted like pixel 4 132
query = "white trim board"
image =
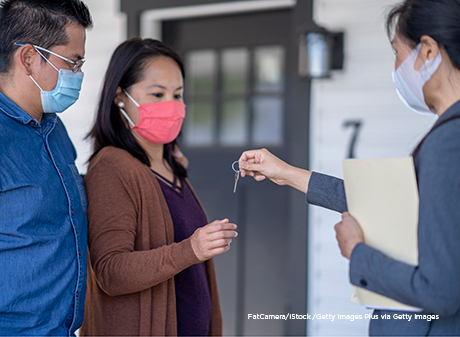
pixel 151 19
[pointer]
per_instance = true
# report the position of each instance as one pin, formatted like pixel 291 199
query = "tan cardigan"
pixel 133 257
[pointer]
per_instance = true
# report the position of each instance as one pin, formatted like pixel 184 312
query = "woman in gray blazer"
pixel 427 77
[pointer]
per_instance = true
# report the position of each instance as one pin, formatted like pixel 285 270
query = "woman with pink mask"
pixel 150 245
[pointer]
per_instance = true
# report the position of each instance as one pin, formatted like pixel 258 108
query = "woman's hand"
pixel 261 164
pixel 213 239
pixel 348 234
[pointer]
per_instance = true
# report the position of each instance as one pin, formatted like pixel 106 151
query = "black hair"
pixel 38 22
pixel 126 68
pixel 439 19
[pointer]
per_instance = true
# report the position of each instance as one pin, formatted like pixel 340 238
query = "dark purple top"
pixel 193 300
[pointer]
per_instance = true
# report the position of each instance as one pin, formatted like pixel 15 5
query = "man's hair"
pixel 39 22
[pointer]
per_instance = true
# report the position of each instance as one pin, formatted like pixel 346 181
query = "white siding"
pixel 363 90
pixel 108 32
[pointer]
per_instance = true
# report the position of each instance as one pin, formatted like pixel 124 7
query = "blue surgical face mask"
pixel 65 93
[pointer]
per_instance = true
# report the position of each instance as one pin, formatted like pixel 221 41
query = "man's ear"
pixel 25 57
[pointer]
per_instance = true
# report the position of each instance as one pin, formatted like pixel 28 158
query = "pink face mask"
pixel 159 123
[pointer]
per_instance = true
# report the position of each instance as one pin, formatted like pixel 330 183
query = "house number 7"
pixel 356 125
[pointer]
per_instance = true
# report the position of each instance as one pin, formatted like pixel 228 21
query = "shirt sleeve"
pixel 114 233
pixel 327 192
pixel 434 284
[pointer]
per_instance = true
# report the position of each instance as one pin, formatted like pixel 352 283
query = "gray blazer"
pixel 434 284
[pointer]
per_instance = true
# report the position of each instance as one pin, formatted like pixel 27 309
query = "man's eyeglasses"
pixel 76 64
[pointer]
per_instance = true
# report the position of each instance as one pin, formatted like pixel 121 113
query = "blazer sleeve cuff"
pixel 358 265
pixel 326 191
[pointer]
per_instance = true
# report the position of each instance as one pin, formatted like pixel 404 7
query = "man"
pixel 42 198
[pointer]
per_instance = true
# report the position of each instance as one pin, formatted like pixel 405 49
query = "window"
pixel 235 97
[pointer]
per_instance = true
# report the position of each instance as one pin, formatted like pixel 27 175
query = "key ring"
pixel 233 167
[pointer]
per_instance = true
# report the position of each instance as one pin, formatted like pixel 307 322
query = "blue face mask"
pixel 65 93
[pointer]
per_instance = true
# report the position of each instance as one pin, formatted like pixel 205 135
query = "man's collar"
pixel 8 107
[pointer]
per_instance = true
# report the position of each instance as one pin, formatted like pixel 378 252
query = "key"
pixel 237 174
pixel 237 177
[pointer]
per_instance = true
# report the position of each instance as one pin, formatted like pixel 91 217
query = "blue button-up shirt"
pixel 43 228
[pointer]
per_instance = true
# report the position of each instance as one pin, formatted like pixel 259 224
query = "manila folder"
pixel 382 196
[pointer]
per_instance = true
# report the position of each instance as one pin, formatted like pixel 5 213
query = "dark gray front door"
pixel 236 100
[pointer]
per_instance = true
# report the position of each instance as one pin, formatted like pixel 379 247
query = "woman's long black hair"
pixel 439 19
pixel 126 68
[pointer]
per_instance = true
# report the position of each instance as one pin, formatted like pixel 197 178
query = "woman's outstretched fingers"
pixel 262 164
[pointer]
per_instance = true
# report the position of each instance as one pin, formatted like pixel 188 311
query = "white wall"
pixel 108 32
pixel 363 90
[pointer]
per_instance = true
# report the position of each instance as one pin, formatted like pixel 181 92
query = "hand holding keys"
pixel 237 174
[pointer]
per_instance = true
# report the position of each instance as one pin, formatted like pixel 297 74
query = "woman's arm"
pixel 261 164
pixel 321 190
pixel 113 217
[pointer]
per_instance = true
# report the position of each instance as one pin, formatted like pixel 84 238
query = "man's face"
pixel 74 50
